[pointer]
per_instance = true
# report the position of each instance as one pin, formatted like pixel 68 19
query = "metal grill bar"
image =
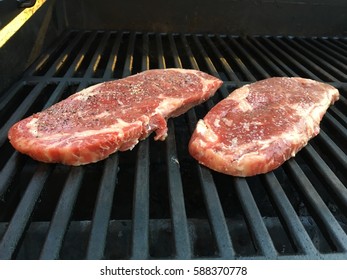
pixel 288 57
pixel 253 62
pixel 300 238
pixel 103 206
pixel 258 230
pixel 327 57
pixel 82 53
pixel 226 66
pixel 64 209
pixel 60 60
pixel 179 218
pixel 213 207
pixel 338 113
pixel 140 239
pixel 20 112
pixel 261 54
pixel 216 215
pixel 7 173
pixel 109 69
pixel 178 213
pixel 335 233
pixel 334 44
pixel 16 159
pixel 324 171
pixel 48 55
pixel 62 214
pixel 329 50
pixel 102 212
pixel 300 57
pixel 313 61
pixel 332 148
pixel 277 61
pixel 337 125
pixel 237 60
pixel 140 227
pixel 97 54
pixel 19 222
pixel 160 52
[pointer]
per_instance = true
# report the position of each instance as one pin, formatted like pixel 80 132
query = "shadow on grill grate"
pixel 156 201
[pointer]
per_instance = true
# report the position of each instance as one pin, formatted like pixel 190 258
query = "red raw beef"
pixel 90 125
pixel 261 125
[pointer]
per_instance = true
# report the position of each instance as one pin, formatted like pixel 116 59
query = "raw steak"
pixel 90 125
pixel 261 125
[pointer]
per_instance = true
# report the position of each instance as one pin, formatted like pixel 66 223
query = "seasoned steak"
pixel 261 125
pixel 90 125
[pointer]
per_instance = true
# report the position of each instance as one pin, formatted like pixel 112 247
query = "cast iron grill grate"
pixel 156 202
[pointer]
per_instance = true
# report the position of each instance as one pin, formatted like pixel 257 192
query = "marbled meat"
pixel 261 125
pixel 90 125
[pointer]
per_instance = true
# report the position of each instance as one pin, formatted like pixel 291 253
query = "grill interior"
pixel 156 202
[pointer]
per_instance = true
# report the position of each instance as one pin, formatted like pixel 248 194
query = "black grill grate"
pixel 156 201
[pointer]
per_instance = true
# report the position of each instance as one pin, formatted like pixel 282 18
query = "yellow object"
pixel 14 25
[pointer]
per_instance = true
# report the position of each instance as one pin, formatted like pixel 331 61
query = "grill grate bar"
pixel 178 213
pixel 11 94
pixel 281 64
pixel 303 58
pixel 338 113
pixel 56 65
pixel 111 62
pixel 299 236
pixel 325 172
pixel 62 214
pixel 336 125
pixel 16 159
pixel 231 74
pixel 129 56
pixel 215 214
pixel 212 69
pixel 212 202
pixel 9 170
pixel 334 232
pixel 246 54
pixel 315 58
pixel 140 228
pixel 334 44
pixel 254 46
pixel 332 148
pixel 102 211
pixel 81 55
pixel 288 57
pixel 177 206
pixel 20 219
pixel 160 52
pixel 20 111
pixel 189 53
pixel 179 221
pixel 173 48
pixel 48 57
pixel 237 60
pixel 329 54
pixel 97 55
pixel 257 227
pixel 145 58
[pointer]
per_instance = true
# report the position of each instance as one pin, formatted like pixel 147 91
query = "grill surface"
pixel 156 201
